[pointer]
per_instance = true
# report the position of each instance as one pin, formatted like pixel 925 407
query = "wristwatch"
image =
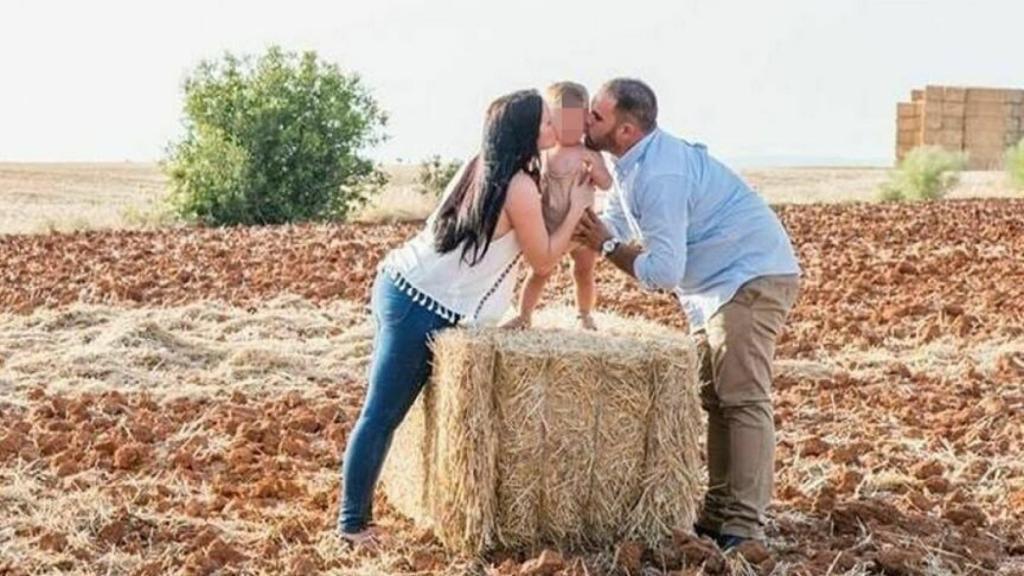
pixel 609 246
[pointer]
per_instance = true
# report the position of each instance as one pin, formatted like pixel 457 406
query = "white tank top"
pixel 446 284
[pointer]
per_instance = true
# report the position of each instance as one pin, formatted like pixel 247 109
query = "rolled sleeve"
pixel 663 218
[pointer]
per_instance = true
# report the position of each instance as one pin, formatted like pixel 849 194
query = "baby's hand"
pixel 599 175
pixel 584 175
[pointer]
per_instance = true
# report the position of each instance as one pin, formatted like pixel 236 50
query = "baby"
pixel 560 173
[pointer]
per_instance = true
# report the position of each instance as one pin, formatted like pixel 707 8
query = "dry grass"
pixel 401 201
pixel 65 197
pixel 199 349
pixel 398 203
pixel 831 185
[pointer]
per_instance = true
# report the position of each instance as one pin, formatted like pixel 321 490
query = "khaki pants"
pixel 736 350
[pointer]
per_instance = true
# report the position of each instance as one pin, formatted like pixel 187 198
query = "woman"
pixel 459 268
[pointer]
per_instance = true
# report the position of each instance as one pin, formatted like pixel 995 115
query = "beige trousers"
pixel 736 350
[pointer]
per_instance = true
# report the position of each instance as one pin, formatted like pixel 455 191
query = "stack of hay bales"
pixel 552 436
pixel 992 124
pixel 983 122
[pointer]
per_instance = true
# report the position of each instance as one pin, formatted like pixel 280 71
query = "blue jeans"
pixel 399 368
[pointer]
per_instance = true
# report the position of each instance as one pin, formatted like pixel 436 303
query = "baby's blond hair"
pixel 568 95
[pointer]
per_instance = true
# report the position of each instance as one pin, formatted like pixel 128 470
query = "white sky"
pixel 758 81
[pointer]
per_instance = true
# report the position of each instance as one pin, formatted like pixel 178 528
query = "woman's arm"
pixel 523 206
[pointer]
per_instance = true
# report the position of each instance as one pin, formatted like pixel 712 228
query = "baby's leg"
pixel 584 261
pixel 530 297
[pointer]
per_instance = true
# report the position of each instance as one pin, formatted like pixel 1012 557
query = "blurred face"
pixel 546 137
pixel 603 126
pixel 570 124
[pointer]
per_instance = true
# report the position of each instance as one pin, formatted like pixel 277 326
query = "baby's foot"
pixel 520 322
pixel 586 322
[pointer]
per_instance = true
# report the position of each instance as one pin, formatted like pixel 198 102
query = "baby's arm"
pixel 598 170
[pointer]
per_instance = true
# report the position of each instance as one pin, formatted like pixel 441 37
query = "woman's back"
pixel 447 282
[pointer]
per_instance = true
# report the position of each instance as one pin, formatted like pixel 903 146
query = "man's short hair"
pixel 635 99
pixel 568 95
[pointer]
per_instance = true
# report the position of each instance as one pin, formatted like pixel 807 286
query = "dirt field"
pixel 67 197
pixel 176 401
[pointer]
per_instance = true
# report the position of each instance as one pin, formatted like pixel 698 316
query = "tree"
pixel 272 140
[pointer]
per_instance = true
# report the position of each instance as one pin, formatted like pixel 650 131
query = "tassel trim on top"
pixel 419 297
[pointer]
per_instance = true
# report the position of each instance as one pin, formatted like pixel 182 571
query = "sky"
pixel 785 82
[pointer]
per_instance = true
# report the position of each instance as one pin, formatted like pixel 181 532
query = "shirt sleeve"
pixel 664 215
pixel 614 216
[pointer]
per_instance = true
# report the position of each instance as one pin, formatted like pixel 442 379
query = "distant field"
pixel 44 197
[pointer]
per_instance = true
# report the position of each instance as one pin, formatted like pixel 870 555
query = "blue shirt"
pixel 704 232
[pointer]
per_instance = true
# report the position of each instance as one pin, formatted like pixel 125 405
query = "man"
pixel 703 234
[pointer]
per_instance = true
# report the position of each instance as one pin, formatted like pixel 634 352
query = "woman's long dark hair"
pixel 509 145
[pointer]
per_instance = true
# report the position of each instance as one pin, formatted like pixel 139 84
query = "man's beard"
pixel 595 144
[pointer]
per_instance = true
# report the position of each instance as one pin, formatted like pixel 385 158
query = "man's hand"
pixel 591 231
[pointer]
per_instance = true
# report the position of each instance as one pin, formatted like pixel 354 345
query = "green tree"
pixel 274 139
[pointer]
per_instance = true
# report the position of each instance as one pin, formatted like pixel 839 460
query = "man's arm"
pixel 663 218
pixel 624 258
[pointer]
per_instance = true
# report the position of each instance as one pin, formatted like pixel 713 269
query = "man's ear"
pixel 628 130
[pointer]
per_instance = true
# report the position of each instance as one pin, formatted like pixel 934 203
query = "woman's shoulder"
pixel 522 194
pixel 522 183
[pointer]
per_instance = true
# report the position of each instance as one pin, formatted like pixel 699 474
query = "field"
pixel 68 197
pixel 175 400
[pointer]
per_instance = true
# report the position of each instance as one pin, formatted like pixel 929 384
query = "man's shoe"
pixel 728 541
pixel 703 532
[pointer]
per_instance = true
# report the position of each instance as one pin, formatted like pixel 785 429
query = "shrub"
pixel 435 174
pixel 926 173
pixel 1015 164
pixel 274 139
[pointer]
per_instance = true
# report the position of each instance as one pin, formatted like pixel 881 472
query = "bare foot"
pixel 586 322
pixel 518 323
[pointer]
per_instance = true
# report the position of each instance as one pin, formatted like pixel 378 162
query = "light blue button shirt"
pixel 704 232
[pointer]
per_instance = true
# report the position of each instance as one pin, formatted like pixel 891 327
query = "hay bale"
pixel 552 436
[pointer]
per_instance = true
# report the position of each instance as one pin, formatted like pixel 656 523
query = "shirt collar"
pixel 634 155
